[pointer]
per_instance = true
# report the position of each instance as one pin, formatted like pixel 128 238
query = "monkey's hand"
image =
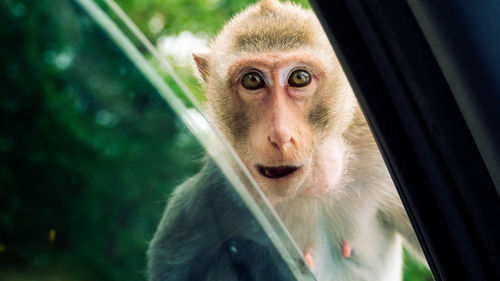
pixel 309 258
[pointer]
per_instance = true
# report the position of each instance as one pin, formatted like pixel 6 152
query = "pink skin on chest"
pixel 346 253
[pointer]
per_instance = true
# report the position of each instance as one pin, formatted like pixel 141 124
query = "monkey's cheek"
pixel 327 174
pixel 315 190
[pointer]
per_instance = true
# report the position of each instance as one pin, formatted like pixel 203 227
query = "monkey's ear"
pixel 201 61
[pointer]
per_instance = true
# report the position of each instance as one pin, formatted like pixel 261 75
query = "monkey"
pixel 276 90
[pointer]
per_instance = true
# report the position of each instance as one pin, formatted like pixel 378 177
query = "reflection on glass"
pixel 170 249
pixel 90 150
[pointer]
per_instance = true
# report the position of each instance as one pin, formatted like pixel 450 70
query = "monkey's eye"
pixel 299 78
pixel 252 81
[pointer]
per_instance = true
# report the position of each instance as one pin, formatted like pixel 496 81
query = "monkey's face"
pixel 277 112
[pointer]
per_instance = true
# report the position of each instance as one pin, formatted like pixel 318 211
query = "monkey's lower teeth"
pixel 276 172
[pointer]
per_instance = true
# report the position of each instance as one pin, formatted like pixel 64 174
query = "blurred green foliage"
pixel 88 151
pixel 88 148
pixel 197 16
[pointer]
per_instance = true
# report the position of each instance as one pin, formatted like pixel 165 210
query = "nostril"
pixel 274 139
pixel 280 143
pixel 274 144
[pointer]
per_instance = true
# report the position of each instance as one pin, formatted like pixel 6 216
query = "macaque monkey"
pixel 276 90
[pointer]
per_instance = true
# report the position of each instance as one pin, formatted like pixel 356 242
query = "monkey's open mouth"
pixel 276 172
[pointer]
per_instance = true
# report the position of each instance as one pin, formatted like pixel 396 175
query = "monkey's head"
pixel 276 90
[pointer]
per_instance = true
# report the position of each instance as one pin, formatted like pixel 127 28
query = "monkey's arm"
pixel 397 216
pixel 185 246
pixel 207 233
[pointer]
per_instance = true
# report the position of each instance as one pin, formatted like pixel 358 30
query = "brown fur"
pixel 320 117
pixel 234 118
pixel 258 37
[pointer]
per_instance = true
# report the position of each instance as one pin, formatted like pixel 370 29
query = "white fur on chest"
pixel 320 226
pixel 375 255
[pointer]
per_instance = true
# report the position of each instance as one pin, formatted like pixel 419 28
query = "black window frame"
pixel 424 73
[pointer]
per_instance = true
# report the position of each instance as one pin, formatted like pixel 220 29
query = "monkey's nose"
pixel 283 142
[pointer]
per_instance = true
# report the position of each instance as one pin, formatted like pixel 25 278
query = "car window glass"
pixel 101 120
